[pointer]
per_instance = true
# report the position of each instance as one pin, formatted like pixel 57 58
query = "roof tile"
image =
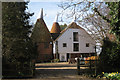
pixel 55 28
pixel 41 32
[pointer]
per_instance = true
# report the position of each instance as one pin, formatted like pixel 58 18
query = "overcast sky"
pixel 50 8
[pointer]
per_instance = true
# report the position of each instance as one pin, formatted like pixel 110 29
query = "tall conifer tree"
pixel 17 46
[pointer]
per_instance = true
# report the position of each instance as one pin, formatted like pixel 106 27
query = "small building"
pixel 73 42
pixel 43 40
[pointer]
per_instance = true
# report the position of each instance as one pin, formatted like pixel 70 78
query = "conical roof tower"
pixel 55 26
pixel 40 31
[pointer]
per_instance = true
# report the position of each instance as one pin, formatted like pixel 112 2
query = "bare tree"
pixel 87 18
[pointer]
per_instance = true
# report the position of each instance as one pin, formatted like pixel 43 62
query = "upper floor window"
pixel 64 45
pixel 87 44
pixel 75 36
pixel 75 46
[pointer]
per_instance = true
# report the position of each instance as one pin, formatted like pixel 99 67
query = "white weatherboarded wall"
pixel 67 37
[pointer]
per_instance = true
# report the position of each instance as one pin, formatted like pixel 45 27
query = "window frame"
pixel 75 37
pixel 87 44
pixel 74 49
pixel 64 44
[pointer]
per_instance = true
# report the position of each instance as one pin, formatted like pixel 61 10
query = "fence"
pixel 91 64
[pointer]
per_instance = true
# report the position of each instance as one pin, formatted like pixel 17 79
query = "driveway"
pixel 56 71
pixel 61 70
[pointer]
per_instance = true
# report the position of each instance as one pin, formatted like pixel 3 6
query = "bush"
pixel 109 57
pixel 112 76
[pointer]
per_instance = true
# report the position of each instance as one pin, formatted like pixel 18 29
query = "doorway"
pixel 68 56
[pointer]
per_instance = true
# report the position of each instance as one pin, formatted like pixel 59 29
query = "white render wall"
pixel 67 37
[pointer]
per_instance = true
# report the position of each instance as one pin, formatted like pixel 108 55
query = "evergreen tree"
pixel 109 57
pixel 17 46
pixel 115 17
pixel 62 27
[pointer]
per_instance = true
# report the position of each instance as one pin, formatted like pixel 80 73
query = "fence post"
pixel 96 67
pixel 90 64
pixel 95 62
pixel 78 66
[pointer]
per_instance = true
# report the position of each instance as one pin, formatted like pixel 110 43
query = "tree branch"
pixel 96 10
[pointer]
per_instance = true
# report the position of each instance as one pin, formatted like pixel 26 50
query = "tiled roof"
pixel 73 25
pixel 55 28
pixel 41 32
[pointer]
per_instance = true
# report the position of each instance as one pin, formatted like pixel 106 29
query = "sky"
pixel 50 10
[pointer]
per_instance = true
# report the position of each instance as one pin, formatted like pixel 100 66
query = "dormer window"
pixel 75 36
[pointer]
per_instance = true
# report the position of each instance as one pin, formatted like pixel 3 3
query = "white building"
pixel 73 42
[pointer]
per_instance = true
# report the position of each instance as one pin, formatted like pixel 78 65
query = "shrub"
pixel 55 60
pixel 112 76
pixel 109 57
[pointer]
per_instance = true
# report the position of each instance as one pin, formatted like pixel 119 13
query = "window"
pixel 75 36
pixel 56 42
pixel 46 45
pixel 64 45
pixel 87 45
pixel 75 46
